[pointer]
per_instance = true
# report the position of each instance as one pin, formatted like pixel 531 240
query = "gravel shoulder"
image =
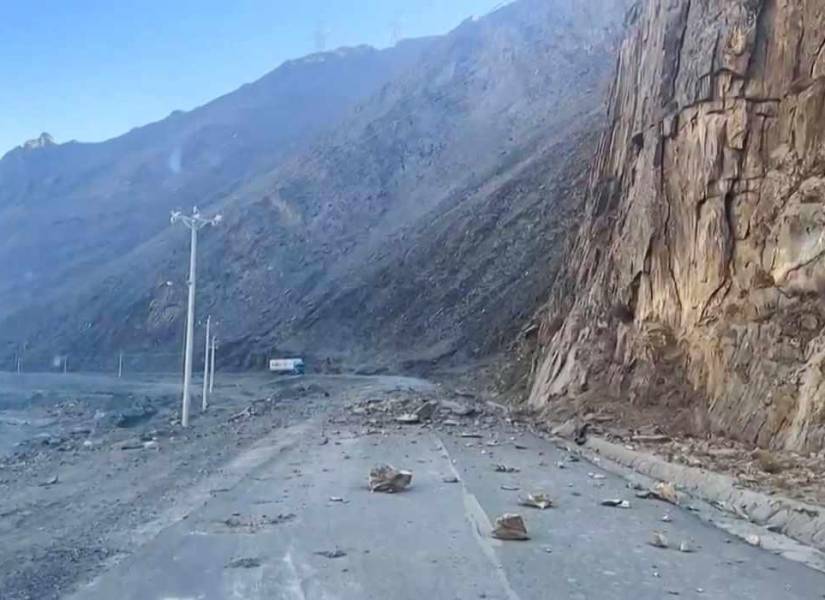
pixel 82 493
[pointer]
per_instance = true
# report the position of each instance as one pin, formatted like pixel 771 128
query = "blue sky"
pixel 93 69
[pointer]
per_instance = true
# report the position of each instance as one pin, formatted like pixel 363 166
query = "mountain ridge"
pixel 472 101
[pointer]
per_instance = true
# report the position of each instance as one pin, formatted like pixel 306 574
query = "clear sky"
pixel 93 69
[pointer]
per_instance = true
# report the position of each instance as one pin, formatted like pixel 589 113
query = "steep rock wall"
pixel 698 277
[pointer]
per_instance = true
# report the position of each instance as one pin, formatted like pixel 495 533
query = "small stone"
pixel 666 491
pixel 510 527
pixel 244 563
pixel 331 553
pixel 538 500
pixel 450 479
pixel 685 546
pixel 658 540
pixel 388 479
pixel 425 411
pixel 754 540
pixel 407 419
pixel 499 468
pixel 51 481
pixel 616 503
pixel 667 519
pixel 336 499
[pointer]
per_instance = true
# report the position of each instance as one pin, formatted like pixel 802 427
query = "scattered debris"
pixel 650 439
pixel 52 481
pixel 565 430
pixel 407 419
pixel 685 546
pixel 139 412
pixel 244 563
pixel 667 519
pixel 510 527
pixel 244 414
pixel 450 479
pixel 450 423
pixel 754 540
pixel 426 411
pixel 768 462
pixel 331 554
pixel 499 468
pixel 520 447
pixel 252 524
pixel 470 434
pixel 581 434
pixel 510 488
pixel 336 499
pixel 538 500
pixel 597 476
pixel 388 479
pixel 658 540
pixel 616 503
pixel 132 445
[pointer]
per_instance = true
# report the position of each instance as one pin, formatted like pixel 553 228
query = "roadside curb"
pixel 777 516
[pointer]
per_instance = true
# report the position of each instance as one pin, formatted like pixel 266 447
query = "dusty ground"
pixel 265 497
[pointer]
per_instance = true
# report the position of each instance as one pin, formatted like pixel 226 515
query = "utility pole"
pixel 212 367
pixel 120 365
pixel 195 222
pixel 204 402
pixel 65 364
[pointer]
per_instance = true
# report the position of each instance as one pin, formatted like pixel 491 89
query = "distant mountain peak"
pixel 42 141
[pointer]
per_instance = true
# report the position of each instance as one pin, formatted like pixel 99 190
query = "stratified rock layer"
pixel 699 273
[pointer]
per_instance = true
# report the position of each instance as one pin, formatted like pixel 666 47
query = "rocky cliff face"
pixel 696 295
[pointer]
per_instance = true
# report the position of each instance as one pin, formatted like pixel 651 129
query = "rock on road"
pixel 293 519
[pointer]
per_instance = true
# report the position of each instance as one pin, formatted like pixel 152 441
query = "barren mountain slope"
pixel 66 211
pixel 477 104
pixel 695 289
pixel 464 278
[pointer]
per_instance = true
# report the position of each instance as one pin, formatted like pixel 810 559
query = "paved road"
pixel 263 534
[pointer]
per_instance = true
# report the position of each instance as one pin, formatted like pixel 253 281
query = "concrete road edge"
pixel 790 528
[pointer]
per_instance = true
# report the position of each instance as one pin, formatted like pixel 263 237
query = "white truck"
pixel 287 366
